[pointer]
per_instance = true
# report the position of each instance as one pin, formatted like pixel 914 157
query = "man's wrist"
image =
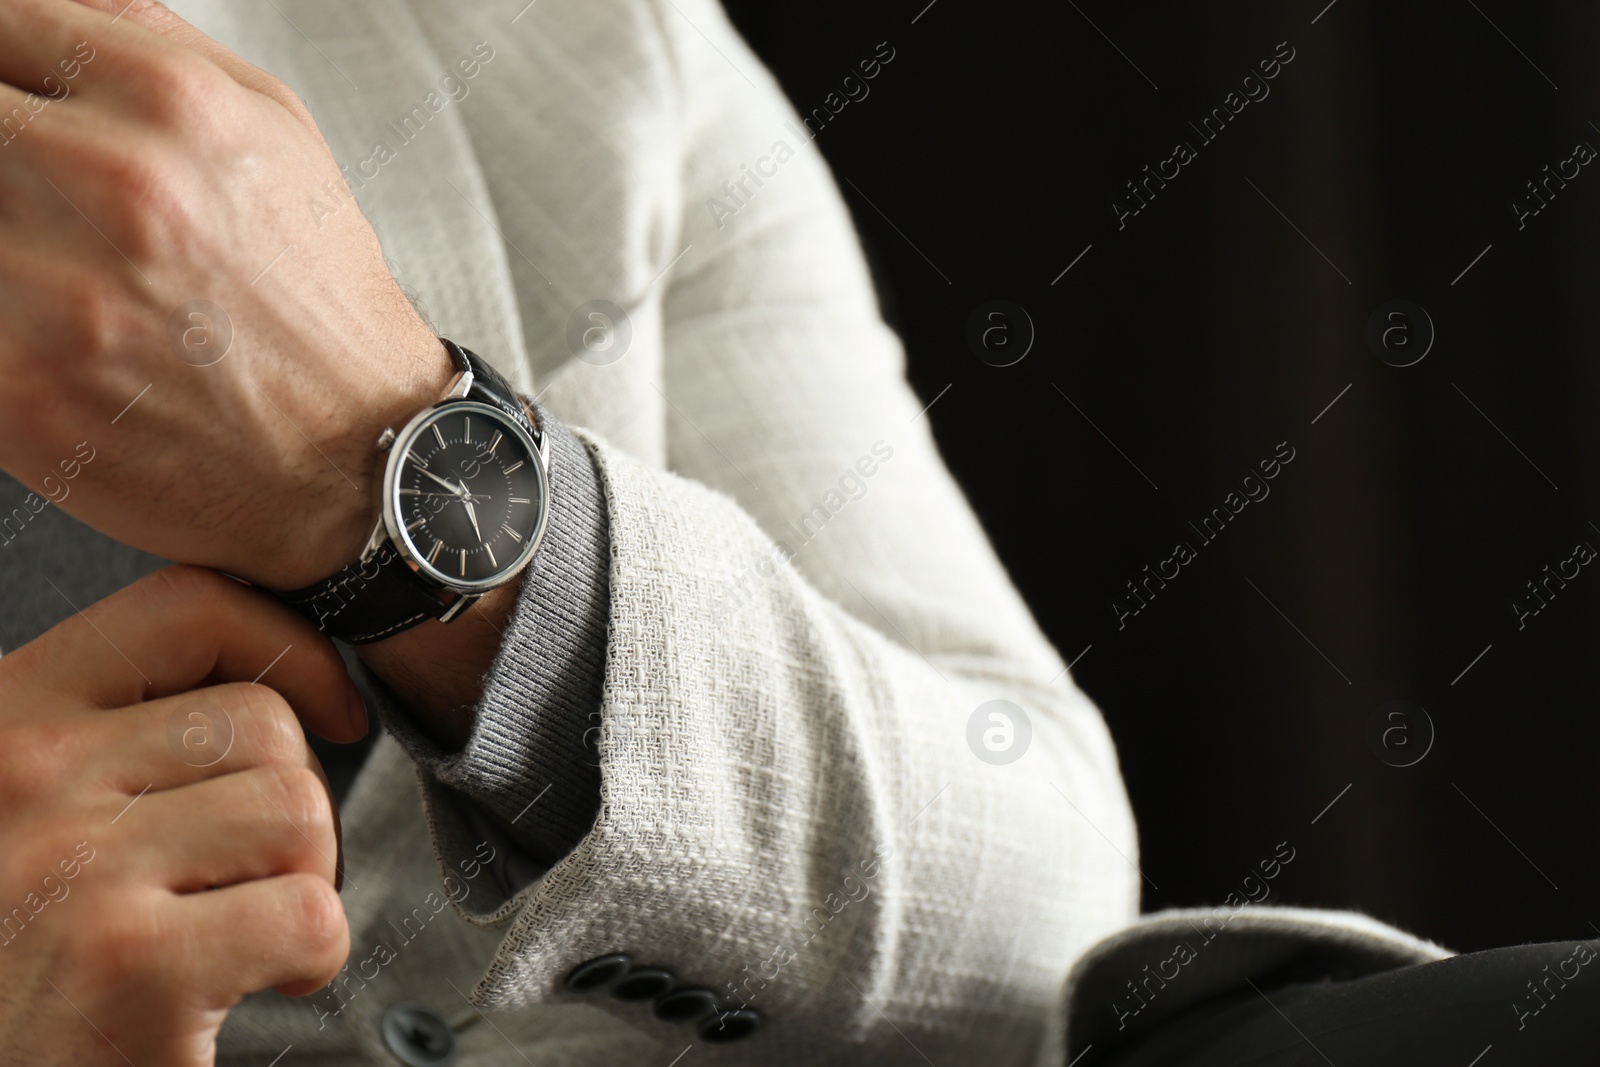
pixel 348 506
pixel 439 668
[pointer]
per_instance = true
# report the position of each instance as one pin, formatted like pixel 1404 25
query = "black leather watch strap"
pixel 369 601
pixel 490 387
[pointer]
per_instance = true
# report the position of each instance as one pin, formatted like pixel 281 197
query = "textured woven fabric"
pixel 803 614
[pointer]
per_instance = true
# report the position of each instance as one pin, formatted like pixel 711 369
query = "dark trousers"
pixel 1528 1004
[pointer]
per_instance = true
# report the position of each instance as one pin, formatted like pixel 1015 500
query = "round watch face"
pixel 466 495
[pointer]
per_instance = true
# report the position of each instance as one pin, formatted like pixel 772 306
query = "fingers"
pixel 260 823
pixel 163 746
pixel 164 22
pixel 44 44
pixel 180 740
pixel 183 627
pixel 287 933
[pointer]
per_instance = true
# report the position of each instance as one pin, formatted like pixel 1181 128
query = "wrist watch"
pixel 466 494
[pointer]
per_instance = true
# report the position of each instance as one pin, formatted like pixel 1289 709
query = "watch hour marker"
pixel 463 563
pixel 514 535
pixel 439 435
pixel 415 523
pixel 466 427
pixel 434 553
pixel 514 467
pixel 495 443
pixel 520 500
pixel 490 549
pixel 410 492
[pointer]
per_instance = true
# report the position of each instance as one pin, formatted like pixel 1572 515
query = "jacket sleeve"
pixel 528 776
pixel 843 780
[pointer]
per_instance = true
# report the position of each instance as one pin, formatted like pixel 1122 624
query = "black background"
pixel 1223 319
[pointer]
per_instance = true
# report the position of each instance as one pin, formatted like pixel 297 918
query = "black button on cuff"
pixel 418 1037
pixel 690 1006
pixel 644 983
pixel 685 1005
pixel 598 973
pixel 730 1026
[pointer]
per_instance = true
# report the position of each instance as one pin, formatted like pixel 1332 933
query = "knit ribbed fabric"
pixel 532 760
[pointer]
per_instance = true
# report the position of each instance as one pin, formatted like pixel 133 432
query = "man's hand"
pixel 168 849
pixel 151 168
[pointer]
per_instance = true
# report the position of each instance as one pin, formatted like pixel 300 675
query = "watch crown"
pixel 386 439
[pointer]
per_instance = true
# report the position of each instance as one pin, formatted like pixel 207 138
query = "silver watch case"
pixel 389 530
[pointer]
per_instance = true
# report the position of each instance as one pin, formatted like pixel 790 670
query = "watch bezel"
pixel 401 449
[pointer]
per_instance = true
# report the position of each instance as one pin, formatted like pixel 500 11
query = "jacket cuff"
pixel 531 763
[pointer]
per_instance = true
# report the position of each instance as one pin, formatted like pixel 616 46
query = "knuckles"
pixel 297 794
pixel 144 203
pixel 265 726
pixel 147 197
pixel 177 89
pixel 99 319
pixel 37 756
pixel 143 182
pixel 313 908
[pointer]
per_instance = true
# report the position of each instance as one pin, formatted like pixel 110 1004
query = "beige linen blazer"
pixel 805 615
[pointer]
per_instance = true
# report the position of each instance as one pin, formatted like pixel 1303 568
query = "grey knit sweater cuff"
pixel 531 763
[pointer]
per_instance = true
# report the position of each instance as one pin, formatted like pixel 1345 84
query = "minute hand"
pixel 459 490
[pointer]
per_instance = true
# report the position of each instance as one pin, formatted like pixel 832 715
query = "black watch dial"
pixel 468 495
